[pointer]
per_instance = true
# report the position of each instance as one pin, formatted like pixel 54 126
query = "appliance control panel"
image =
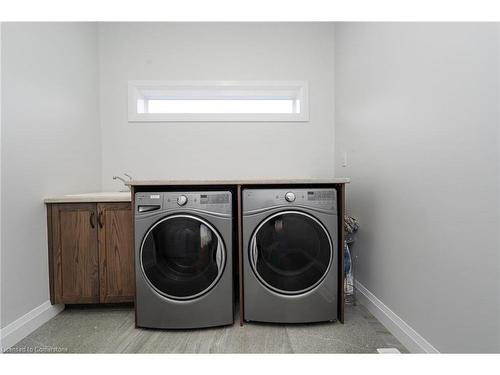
pixel 322 199
pixel 211 201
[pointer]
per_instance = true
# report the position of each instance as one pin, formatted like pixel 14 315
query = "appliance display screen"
pixel 214 198
pixel 324 195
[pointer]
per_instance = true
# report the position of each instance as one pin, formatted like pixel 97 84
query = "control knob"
pixel 290 197
pixel 182 200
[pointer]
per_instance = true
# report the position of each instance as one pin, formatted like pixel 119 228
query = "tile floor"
pixel 111 330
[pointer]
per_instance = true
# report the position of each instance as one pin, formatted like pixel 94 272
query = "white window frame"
pixel 138 90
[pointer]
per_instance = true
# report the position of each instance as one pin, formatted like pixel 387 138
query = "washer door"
pixel 182 257
pixel 291 252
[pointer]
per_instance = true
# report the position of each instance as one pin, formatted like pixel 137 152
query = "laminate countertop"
pixel 125 196
pixel 91 197
pixel 305 181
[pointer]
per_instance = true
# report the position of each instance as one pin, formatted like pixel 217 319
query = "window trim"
pixel 136 89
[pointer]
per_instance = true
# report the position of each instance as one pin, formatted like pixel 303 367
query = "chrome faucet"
pixel 123 180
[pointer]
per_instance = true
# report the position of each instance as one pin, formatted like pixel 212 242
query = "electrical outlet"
pixel 388 351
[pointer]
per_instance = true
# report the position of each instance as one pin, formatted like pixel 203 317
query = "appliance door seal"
pixel 182 257
pixel 291 252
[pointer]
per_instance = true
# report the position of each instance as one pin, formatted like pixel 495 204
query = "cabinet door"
pixel 116 252
pixel 75 253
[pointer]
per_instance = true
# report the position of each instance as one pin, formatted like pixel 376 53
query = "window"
pixel 164 101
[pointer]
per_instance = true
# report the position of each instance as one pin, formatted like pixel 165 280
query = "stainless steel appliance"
pixel 183 259
pixel 290 255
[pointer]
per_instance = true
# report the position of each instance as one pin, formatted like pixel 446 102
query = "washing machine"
pixel 183 259
pixel 290 252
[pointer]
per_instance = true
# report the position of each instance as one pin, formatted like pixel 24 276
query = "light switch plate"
pixel 344 159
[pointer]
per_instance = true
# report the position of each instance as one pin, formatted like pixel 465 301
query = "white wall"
pixel 50 145
pixel 417 113
pixel 216 51
pixel 1 344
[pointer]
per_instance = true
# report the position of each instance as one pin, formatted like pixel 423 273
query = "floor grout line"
pixel 101 330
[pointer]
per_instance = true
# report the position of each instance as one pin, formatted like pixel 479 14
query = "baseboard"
pixel 22 327
pixel 410 338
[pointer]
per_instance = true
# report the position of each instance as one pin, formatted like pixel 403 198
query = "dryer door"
pixel 291 252
pixel 182 257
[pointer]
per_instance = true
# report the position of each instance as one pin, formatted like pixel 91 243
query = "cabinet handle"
pixel 92 222
pixel 99 219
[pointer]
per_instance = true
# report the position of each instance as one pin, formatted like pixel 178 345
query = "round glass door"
pixel 291 252
pixel 182 257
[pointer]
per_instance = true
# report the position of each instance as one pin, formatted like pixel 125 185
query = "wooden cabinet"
pixel 75 253
pixel 91 252
pixel 116 252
